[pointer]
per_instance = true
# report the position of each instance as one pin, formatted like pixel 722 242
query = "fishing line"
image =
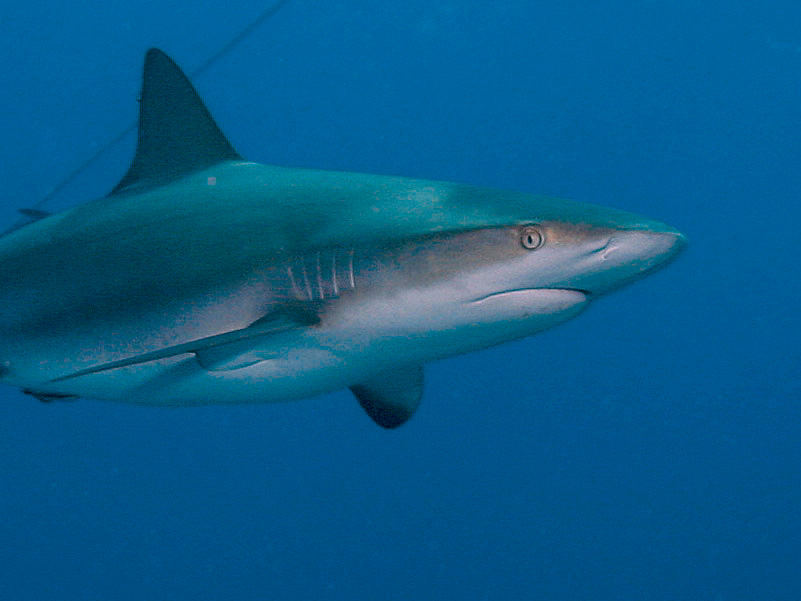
pixel 233 43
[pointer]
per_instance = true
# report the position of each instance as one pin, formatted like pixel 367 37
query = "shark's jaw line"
pixel 586 294
pixel 206 278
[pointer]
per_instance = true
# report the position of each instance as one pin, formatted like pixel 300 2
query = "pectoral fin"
pixel 220 352
pixel 392 397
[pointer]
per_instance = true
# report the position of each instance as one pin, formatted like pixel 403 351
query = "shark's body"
pixel 204 278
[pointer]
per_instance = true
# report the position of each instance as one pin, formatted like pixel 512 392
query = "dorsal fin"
pixel 177 135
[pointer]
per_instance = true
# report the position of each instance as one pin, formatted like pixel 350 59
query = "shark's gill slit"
pixel 295 288
pixel 320 277
pixel 309 294
pixel 334 272
pixel 351 278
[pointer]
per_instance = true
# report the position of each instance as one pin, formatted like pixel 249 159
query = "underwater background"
pixel 650 449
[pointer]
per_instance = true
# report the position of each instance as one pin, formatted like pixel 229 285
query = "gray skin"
pixel 217 280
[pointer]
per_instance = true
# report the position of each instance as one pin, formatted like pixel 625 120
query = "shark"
pixel 205 278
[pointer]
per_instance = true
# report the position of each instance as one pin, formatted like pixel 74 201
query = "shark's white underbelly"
pixel 350 348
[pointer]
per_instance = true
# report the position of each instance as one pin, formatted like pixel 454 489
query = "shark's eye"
pixel 531 238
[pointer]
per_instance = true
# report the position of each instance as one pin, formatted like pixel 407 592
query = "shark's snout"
pixel 647 248
pixel 630 254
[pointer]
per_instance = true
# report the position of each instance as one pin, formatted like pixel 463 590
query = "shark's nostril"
pixel 608 250
pixel 604 249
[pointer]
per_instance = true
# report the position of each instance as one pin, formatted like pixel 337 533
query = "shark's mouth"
pixel 547 295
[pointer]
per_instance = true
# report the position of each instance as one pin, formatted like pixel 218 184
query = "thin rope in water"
pixel 233 43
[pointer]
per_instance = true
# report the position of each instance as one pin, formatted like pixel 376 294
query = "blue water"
pixel 650 449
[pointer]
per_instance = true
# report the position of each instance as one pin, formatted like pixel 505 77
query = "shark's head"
pixel 589 258
pixel 543 243
pixel 474 287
